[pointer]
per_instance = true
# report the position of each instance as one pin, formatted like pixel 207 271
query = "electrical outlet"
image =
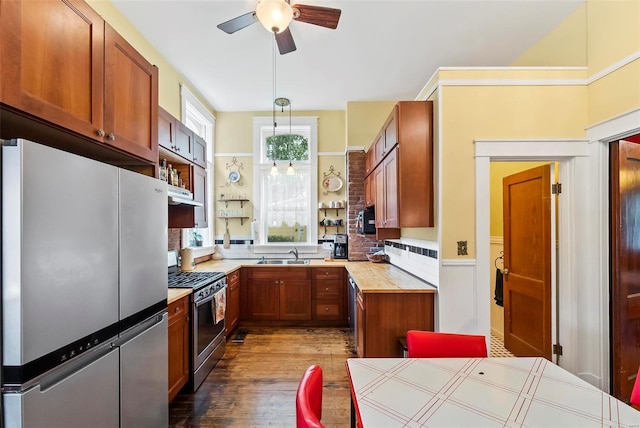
pixel 462 248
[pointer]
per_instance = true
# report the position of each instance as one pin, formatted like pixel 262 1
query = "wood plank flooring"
pixel 255 383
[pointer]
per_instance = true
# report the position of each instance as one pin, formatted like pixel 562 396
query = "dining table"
pixel 478 392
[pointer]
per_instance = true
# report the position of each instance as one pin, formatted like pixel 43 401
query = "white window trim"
pixel 204 115
pixel 311 246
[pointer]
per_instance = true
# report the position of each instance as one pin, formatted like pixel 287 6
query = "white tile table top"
pixel 479 392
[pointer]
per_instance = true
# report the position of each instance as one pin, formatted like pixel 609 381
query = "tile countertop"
pixel 370 277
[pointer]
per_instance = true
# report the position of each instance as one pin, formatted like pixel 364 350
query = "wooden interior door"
pixel 527 262
pixel 625 267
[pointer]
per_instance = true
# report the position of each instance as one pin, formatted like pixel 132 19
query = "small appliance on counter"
pixel 340 247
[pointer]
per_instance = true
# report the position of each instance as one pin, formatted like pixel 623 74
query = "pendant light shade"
pixel 275 15
pixel 290 170
pixel 274 169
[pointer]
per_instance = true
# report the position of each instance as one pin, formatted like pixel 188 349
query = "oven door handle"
pixel 209 298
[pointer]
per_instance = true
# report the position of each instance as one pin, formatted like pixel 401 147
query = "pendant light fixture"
pixel 274 168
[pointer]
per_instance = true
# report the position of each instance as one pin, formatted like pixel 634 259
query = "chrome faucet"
pixel 294 252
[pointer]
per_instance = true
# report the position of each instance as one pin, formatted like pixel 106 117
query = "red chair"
pixel 635 392
pixel 309 399
pixel 429 344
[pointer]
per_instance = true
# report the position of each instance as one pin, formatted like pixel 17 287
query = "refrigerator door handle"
pixel 60 374
pixel 137 330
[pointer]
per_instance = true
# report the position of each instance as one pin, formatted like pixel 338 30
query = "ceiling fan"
pixel 276 15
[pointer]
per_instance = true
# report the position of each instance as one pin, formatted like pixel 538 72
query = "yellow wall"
pixel 234 135
pixel 364 121
pixel 495 112
pixel 613 31
pixel 566 45
pixel 169 79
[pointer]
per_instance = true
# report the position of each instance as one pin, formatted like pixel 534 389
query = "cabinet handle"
pixel 177 309
pixel 326 289
pixel 326 309
pixel 111 137
pixel 177 149
pixel 100 132
pixel 277 282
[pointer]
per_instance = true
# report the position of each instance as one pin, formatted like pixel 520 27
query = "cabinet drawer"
pixel 327 310
pixel 328 273
pixel 278 273
pixel 233 278
pixel 327 289
pixel 178 308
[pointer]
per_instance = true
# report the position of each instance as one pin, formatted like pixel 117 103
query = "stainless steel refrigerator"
pixel 84 289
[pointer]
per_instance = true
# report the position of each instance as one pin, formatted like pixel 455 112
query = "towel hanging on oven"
pixel 219 305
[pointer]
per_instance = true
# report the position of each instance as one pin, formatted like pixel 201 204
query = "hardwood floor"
pixel 255 383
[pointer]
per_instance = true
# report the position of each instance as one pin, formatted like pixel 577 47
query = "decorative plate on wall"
pixel 332 184
pixel 234 176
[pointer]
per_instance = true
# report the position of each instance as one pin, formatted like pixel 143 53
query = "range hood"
pixel 180 196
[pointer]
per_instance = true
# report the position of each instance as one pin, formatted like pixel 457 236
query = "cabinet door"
pixel 51 57
pixel 131 99
pixel 166 129
pixel 200 195
pixel 378 147
pixel 199 151
pixel 178 331
pixel 391 131
pixel 295 299
pixel 391 190
pixel 263 299
pixel 233 301
pixel 368 161
pixel 184 141
pixel 370 190
pixel 378 178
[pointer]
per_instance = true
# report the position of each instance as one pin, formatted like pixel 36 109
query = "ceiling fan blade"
pixel 285 42
pixel 322 16
pixel 238 23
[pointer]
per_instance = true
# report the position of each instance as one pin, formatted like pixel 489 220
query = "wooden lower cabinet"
pixel 178 332
pixel 329 295
pixel 294 296
pixel 232 314
pixel 381 318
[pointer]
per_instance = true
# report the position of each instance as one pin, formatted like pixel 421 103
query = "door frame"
pixel 572 157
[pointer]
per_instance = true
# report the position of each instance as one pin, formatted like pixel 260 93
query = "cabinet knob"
pixel 326 289
pixel 177 149
pixel 177 309
pixel 100 132
pixel 195 159
pixel 111 137
pixel 326 309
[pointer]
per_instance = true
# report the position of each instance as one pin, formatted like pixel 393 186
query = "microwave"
pixel 366 221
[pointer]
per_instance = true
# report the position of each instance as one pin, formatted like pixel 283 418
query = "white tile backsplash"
pixel 423 266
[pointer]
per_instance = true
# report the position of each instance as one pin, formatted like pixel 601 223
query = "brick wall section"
pixel 359 245
pixel 174 239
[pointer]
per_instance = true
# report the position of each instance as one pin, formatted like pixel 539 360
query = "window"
pixel 197 118
pixel 283 202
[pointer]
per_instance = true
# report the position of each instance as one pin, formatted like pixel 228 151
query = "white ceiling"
pixel 381 50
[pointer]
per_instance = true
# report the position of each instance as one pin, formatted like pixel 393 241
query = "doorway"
pixel 573 171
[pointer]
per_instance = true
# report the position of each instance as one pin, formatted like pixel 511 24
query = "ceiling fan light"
pixel 274 15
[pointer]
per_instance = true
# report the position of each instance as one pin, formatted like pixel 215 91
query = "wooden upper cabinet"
pixel 368 161
pixel 52 62
pixel 166 129
pixel 63 64
pixel 184 141
pixel 131 98
pixel 199 151
pixel 391 131
pixel 369 191
pixel 407 198
pixel 415 163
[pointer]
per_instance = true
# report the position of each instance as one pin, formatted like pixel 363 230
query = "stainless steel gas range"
pixel 207 341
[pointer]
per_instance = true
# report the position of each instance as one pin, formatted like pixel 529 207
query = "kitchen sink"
pixel 282 262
